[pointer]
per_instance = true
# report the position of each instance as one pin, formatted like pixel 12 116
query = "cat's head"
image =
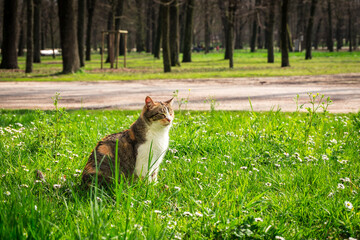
pixel 158 112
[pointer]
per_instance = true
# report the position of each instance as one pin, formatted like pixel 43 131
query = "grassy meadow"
pixel 227 175
pixel 145 66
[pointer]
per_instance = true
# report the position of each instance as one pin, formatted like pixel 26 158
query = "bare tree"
pixel 22 30
pixel 330 42
pixel 157 43
pixel 68 37
pixel 10 30
pixel 254 25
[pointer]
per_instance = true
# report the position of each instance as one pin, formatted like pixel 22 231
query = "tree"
pixel 81 31
pixel 231 21
pixel 148 40
pixel 118 22
pixel 157 43
pixel 174 33
pixel 37 30
pixel 68 36
pixel 254 26
pixel 330 42
pixel 165 35
pixel 90 4
pixel 10 29
pixel 224 20
pixel 22 31
pixel 188 36
pixel 270 32
pixel 309 30
pixel 207 30
pixel 140 43
pixel 29 36
pixel 284 34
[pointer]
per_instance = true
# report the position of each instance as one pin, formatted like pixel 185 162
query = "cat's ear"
pixel 170 101
pixel 149 102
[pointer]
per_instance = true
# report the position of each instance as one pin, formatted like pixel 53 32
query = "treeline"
pixel 175 26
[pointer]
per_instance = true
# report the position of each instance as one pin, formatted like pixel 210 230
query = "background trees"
pixel 195 25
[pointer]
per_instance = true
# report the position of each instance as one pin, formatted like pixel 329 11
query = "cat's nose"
pixel 168 119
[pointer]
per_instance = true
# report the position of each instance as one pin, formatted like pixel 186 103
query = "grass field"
pixel 227 175
pixel 212 65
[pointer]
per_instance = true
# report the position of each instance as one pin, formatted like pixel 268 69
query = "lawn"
pixel 227 175
pixel 145 66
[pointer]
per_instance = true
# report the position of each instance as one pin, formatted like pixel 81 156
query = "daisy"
pixel 348 205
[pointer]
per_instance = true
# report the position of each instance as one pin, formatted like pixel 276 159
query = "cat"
pixel 147 136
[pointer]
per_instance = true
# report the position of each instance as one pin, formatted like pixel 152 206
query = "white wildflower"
pixel 177 188
pixel 331 194
pixel 199 214
pixel 99 199
pixel 268 184
pixel 198 201
pixel 259 220
pixel 333 141
pixel 341 186
pixel 24 186
pixel 77 171
pixel 138 227
pixel 147 201
pixel 277 165
pixel 57 186
pixel 168 161
pixel 157 211
pixel 244 167
pixel 348 205
pixel 280 238
pixel 7 193
pixel 187 214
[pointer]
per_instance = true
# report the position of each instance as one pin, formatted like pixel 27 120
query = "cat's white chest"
pixel 151 153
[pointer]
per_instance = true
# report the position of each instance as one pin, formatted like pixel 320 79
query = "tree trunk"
pixel 207 31
pixel 148 26
pixel 153 26
pixel 22 31
pixel 90 4
pixel 118 22
pixel 317 33
pixel 158 33
pixel 350 28
pixel 52 33
pixel 284 34
pixel 80 31
pixel 231 21
pixel 339 31
pixel 270 32
pixel 165 35
pixel 140 43
pixel 29 36
pixel 10 29
pixel 174 33
pixel 309 30
pixel 68 37
pixel 254 26
pixel 37 31
pixel 188 30
pixel 224 20
pixel 330 42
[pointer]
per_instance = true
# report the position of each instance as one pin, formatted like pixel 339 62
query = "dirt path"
pixel 230 94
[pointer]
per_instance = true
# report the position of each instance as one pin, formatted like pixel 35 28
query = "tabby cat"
pixel 147 136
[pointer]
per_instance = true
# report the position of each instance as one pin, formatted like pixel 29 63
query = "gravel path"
pixel 230 94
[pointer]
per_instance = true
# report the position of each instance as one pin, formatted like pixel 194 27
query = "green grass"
pixel 227 175
pixel 212 65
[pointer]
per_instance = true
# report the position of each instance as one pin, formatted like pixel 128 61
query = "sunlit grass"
pixel 212 65
pixel 227 175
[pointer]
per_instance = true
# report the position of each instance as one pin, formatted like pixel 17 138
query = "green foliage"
pixel 212 65
pixel 227 175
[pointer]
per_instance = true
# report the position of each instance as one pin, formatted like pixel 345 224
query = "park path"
pixel 230 94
